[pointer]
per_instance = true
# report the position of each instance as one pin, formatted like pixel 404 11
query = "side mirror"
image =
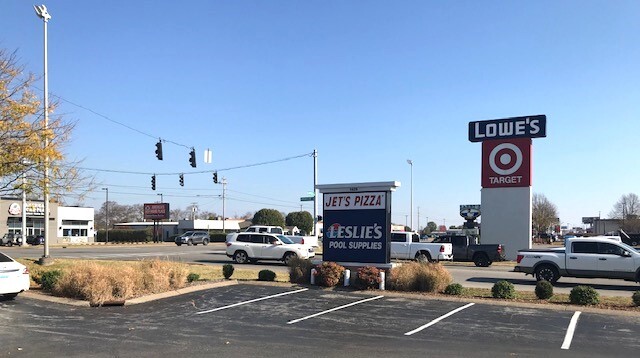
pixel 626 254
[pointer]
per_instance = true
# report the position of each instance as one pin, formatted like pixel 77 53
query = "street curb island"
pixel 39 295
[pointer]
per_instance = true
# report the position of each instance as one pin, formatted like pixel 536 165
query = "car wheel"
pixel 240 257
pixel 190 242
pixel 481 260
pixel 205 242
pixel 634 243
pixel 288 257
pixel 179 244
pixel 547 273
pixel 9 243
pixel 423 257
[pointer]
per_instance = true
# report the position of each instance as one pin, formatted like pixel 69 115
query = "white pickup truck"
pixel 593 257
pixel 407 246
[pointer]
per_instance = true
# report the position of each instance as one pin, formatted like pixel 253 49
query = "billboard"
pixel 506 163
pixel 356 227
pixel 156 211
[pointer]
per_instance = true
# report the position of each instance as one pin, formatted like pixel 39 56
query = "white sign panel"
pixel 354 201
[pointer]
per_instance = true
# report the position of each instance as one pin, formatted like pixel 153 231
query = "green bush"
pixel 503 289
pixel 48 279
pixel 417 276
pixel 454 289
pixel 329 274
pixel 300 270
pixel 193 277
pixel 584 295
pixel 544 290
pixel 636 298
pixel 368 277
pixel 227 270
pixel 266 275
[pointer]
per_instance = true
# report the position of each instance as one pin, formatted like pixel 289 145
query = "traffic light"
pixel 159 150
pixel 181 179
pixel 153 182
pixel 192 158
pixel 215 177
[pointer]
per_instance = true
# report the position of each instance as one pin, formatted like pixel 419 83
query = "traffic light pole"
pixel 315 193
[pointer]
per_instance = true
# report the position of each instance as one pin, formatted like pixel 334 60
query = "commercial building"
pixel 68 224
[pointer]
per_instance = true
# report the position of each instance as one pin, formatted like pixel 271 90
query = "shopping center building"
pixel 67 224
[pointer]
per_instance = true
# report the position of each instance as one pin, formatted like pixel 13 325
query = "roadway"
pixel 214 254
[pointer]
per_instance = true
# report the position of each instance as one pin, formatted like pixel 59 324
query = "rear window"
pixel 244 238
pixel 398 238
pixel 5 258
pixel 585 247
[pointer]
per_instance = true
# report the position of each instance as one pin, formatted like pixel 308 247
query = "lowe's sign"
pixel 357 223
pixel 515 127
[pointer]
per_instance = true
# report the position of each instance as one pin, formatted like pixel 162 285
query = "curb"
pixel 39 295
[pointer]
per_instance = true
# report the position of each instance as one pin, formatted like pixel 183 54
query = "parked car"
pixel 407 246
pixel 265 228
pixel 14 277
pixel 467 248
pixel 192 238
pixel 10 240
pixel 35 240
pixel 250 247
pixel 593 257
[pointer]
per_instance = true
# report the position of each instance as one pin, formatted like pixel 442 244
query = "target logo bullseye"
pixel 510 159
pixel 506 163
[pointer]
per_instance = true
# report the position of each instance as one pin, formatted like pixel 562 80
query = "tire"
pixel 178 243
pixel 190 242
pixel 288 257
pixel 205 242
pixel 240 257
pixel 634 243
pixel 10 243
pixel 481 260
pixel 547 273
pixel 421 256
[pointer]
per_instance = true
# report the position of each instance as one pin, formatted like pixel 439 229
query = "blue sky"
pixel 369 84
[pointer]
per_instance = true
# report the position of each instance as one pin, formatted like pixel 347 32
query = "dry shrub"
pixel 329 274
pixel 160 276
pixel 300 270
pixel 98 283
pixel 416 276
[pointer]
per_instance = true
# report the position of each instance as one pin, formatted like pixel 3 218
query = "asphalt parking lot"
pixel 278 321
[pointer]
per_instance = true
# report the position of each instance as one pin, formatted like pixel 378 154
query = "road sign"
pixel 307 198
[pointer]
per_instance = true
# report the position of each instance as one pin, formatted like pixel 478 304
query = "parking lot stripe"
pixel 254 300
pixel 570 330
pixel 334 309
pixel 439 319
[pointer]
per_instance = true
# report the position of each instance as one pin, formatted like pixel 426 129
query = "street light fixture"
pixel 161 199
pixel 106 220
pixel 410 162
pixel 42 13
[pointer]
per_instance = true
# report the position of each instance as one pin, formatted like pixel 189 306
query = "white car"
pixel 14 277
pixel 250 247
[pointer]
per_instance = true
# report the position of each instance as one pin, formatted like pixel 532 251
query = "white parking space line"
pixel 254 300
pixel 334 309
pixel 439 319
pixel 570 330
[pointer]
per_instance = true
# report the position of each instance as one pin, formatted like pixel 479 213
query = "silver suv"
pixel 193 238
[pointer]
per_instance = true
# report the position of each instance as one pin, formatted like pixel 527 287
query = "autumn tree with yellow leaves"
pixel 23 136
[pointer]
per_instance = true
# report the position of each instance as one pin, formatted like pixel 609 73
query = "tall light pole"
pixel 106 220
pixel 24 208
pixel 42 13
pixel 224 192
pixel 315 193
pixel 410 162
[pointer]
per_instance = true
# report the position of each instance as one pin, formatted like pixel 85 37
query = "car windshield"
pixel 285 239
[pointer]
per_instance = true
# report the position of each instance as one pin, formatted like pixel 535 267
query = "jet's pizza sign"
pixel 355 227
pixel 506 163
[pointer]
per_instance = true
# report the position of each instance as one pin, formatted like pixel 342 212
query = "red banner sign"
pixel 156 211
pixel 506 163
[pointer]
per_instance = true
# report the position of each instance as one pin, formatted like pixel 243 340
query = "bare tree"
pixel 627 207
pixel 544 213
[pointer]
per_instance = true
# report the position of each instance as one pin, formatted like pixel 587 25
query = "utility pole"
pixel 315 193
pixel 418 219
pixel 224 190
